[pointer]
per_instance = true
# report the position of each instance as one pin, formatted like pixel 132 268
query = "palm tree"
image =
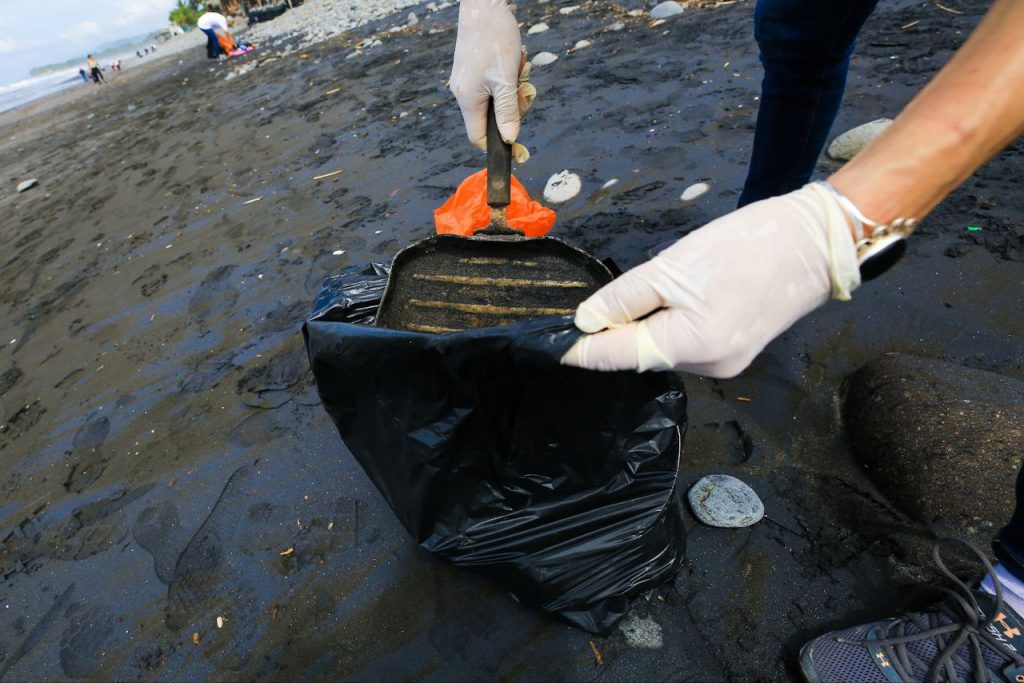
pixel 186 13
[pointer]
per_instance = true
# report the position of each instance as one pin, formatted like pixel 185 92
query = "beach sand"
pixel 164 460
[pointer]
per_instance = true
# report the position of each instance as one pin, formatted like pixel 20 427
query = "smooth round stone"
pixel 543 58
pixel 562 187
pixel 694 191
pixel 664 10
pixel 580 44
pixel 27 184
pixel 537 28
pixel 724 501
pixel 847 145
pixel 568 10
pixel 611 183
pixel 617 26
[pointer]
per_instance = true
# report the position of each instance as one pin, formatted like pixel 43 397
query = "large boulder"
pixel 942 441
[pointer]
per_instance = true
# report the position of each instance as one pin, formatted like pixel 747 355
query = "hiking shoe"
pixel 972 636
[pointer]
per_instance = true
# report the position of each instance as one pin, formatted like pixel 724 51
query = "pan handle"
pixel 499 163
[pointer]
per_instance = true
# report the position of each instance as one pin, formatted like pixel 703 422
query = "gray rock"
pixel 847 145
pixel 27 184
pixel 941 441
pixel 664 10
pixel 724 501
pixel 537 28
pixel 642 632
pixel 412 19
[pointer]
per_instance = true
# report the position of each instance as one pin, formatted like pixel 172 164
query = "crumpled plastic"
pixel 467 211
pixel 560 484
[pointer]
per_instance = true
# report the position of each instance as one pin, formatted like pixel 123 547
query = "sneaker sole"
pixel 806 665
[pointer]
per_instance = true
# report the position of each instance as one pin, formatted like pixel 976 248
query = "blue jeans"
pixel 805 49
pixel 212 44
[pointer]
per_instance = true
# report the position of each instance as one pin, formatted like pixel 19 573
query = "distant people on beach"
pixel 210 23
pixel 138 54
pixel 85 76
pixel 94 69
pixel 115 65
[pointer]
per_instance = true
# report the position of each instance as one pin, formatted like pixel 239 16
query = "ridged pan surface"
pixel 449 283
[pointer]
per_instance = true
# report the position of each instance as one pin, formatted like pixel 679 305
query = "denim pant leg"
pixel 212 44
pixel 1009 543
pixel 805 50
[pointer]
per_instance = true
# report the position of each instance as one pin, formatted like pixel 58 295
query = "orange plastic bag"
pixel 467 211
pixel 227 42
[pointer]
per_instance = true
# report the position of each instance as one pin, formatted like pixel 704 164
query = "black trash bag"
pixel 558 483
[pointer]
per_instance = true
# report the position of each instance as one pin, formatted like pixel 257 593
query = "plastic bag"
pixel 558 483
pixel 226 41
pixel 467 211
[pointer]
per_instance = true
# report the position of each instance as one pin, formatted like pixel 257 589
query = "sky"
pixel 38 32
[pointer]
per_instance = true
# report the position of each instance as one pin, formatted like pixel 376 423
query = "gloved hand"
pixel 721 293
pixel 490 62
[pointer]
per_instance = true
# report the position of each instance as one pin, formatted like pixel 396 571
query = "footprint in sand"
pixel 86 449
pixel 214 293
pixel 83 642
pixel 158 530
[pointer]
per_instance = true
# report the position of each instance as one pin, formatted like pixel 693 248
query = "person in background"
pixel 712 301
pixel 94 69
pixel 85 77
pixel 209 23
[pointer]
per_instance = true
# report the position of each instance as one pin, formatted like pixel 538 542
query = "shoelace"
pixel 956 623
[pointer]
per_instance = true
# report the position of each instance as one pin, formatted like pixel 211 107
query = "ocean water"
pixel 18 93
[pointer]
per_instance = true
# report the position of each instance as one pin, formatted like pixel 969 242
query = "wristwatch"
pixel 879 249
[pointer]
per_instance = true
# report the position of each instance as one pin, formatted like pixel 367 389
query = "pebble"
pixel 312 22
pixel 635 12
pixel 543 58
pixel 537 28
pixel 617 26
pixel 847 145
pixel 561 187
pixel 568 10
pixel 694 191
pixel 27 184
pixel 412 19
pixel 664 10
pixel 643 632
pixel 580 44
pixel 610 183
pixel 724 501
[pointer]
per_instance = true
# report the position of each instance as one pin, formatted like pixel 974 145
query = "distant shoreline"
pixel 71 91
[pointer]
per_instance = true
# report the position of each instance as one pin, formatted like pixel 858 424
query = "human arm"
pixel 972 109
pixel 720 294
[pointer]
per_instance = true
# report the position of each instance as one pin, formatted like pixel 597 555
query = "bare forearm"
pixel 972 109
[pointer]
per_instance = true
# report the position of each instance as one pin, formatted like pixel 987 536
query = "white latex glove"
pixel 721 293
pixel 490 62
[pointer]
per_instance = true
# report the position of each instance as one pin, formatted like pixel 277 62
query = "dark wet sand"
pixel 162 445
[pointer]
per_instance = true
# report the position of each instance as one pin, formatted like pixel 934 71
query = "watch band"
pixel 880 247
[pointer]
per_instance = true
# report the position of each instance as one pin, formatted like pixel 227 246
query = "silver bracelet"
pixel 901 226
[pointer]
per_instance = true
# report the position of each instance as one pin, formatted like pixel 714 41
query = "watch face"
pixel 881 258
